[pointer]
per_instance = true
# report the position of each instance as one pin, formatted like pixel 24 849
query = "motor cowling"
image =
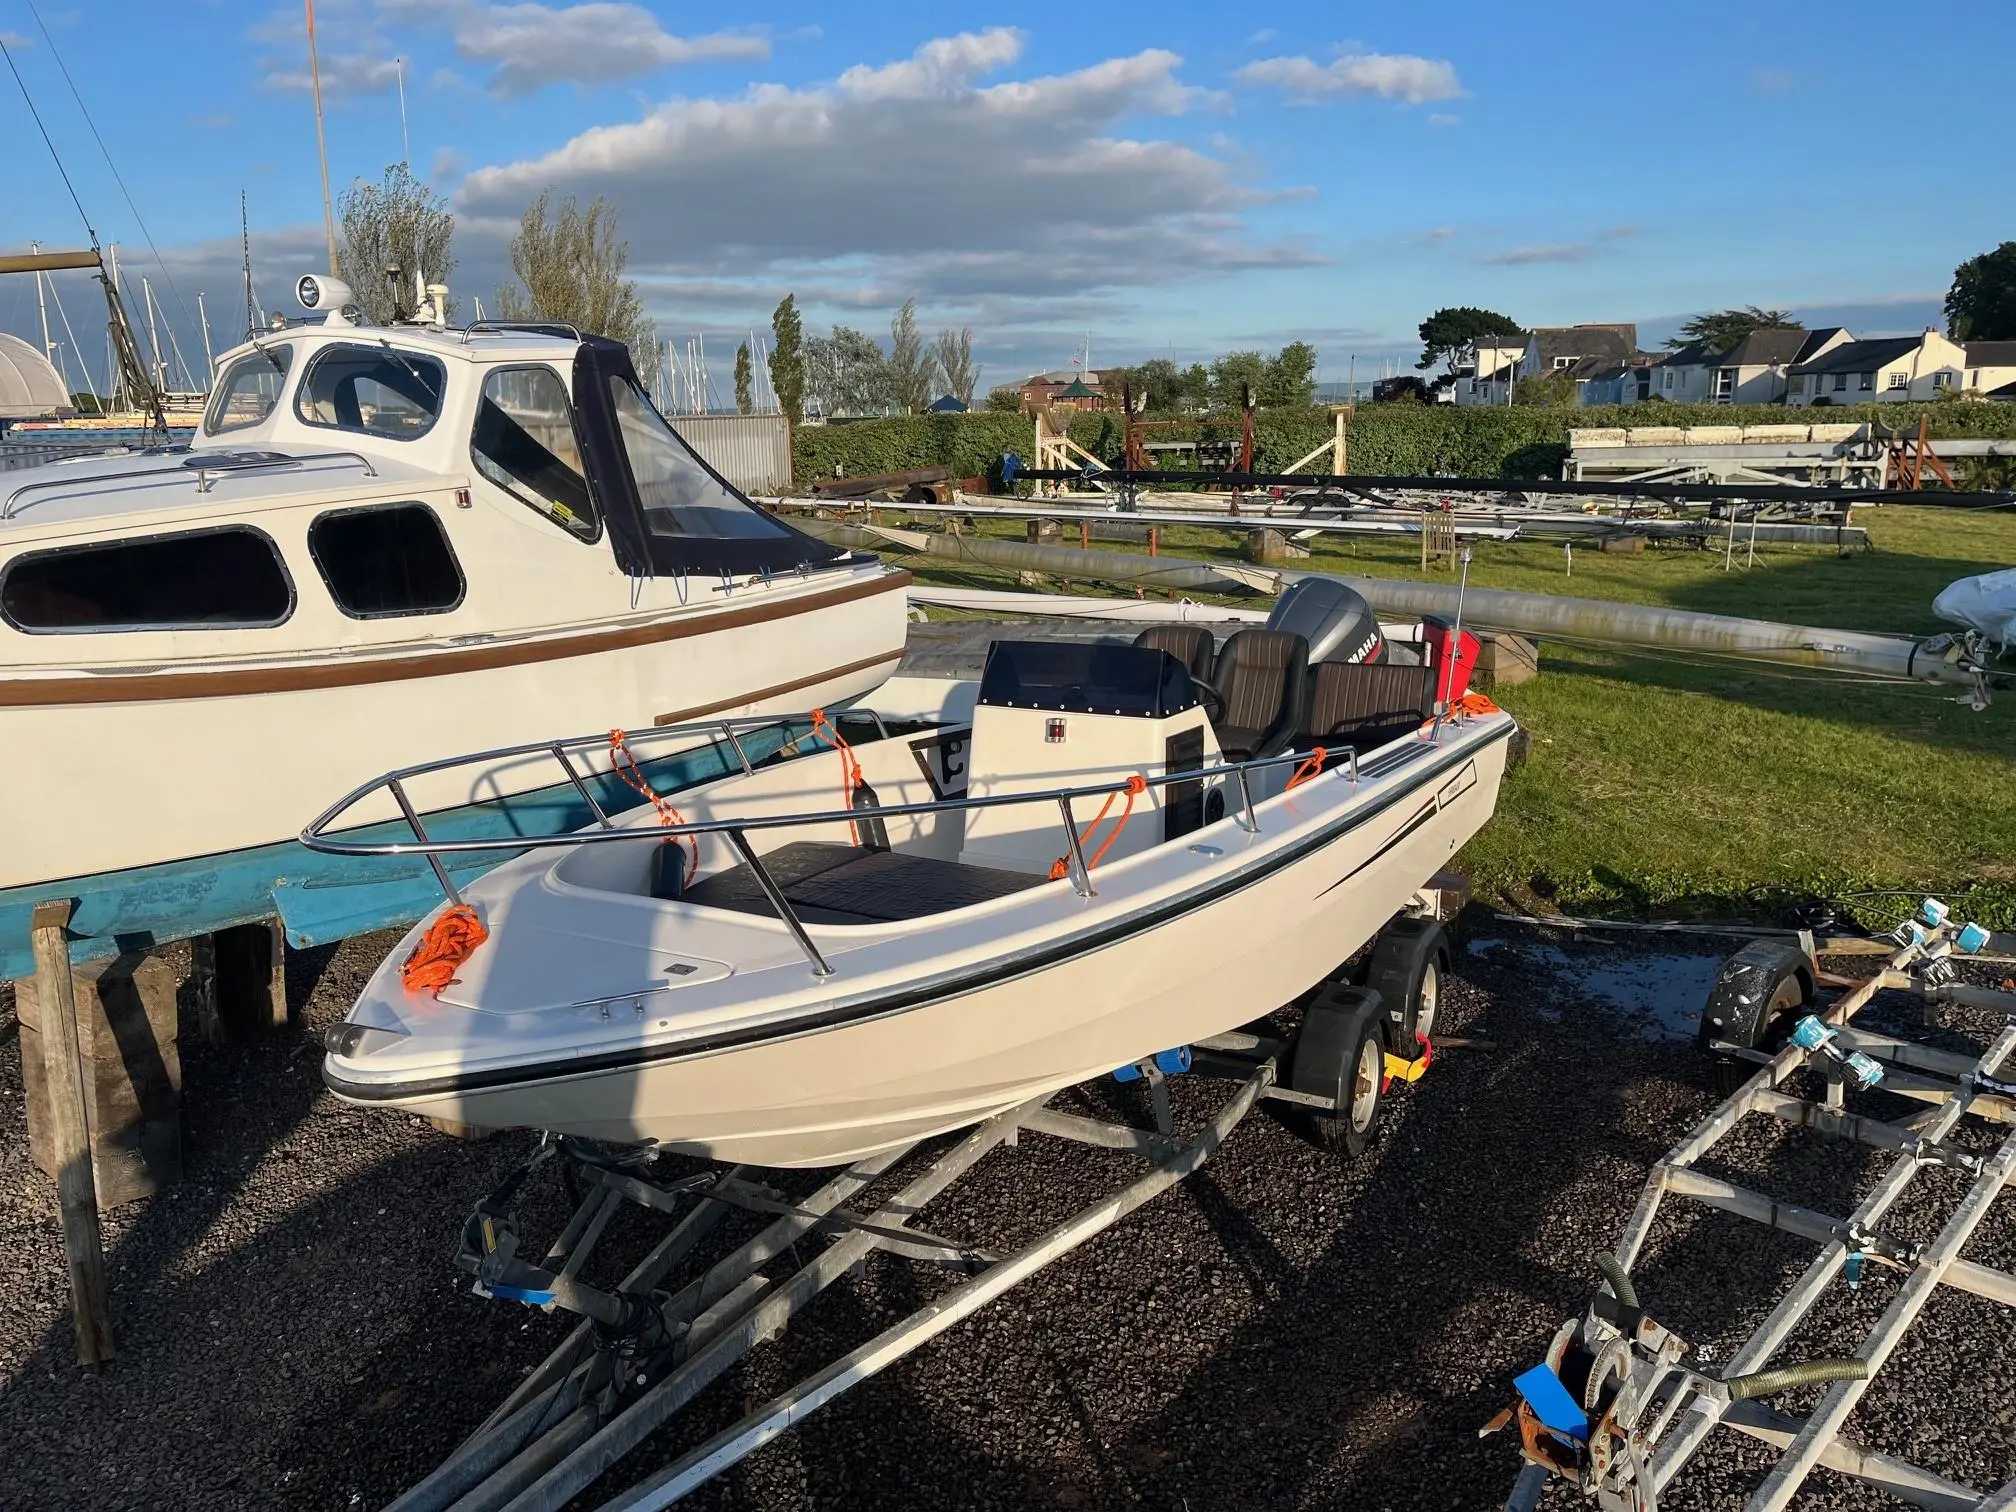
pixel 1336 621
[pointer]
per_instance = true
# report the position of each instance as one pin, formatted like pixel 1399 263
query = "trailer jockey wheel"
pixel 1760 993
pixel 1340 1054
pixel 1406 970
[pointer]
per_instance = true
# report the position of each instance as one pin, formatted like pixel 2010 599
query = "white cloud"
pixel 1008 199
pixel 15 41
pixel 1558 252
pixel 528 46
pixel 1445 120
pixel 353 58
pixel 1386 76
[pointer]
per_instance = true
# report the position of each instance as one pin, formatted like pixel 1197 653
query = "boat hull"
pixel 829 1096
pixel 207 787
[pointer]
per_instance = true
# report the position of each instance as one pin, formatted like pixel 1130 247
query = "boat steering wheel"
pixel 1211 698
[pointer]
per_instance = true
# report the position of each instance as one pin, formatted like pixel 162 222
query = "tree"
pixel 1005 400
pixel 1981 305
pixel 846 374
pixel 570 269
pixel 912 368
pixel 1448 331
pixel 1233 375
pixel 391 229
pixel 1289 379
pixel 955 362
pixel 1544 390
pixel 745 381
pixel 787 358
pixel 1723 329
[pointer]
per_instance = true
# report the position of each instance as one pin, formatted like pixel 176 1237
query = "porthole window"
pixel 386 560
pixel 378 390
pixel 200 579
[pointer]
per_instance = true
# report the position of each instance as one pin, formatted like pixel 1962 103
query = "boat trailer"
pixel 1621 1404
pixel 645 1348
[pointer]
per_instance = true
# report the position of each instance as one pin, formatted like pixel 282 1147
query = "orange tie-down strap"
pixel 1136 785
pixel 623 761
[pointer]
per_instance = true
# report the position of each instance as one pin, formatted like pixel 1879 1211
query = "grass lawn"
pixel 1677 784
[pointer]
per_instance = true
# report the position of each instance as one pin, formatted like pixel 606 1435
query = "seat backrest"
pixel 1192 645
pixel 1263 677
pixel 1364 707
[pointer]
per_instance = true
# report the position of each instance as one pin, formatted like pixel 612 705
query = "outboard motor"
pixel 1336 621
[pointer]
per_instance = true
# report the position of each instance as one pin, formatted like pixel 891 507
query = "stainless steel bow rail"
pixel 206 466
pixel 1621 1404
pixel 646 1348
pixel 317 835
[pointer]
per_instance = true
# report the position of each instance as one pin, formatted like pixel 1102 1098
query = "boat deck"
pixel 828 883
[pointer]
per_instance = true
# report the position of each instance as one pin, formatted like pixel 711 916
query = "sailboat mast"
pixel 42 304
pixel 322 144
pixel 153 335
pixel 209 353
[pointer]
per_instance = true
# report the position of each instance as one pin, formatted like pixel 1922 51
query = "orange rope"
pixel 623 761
pixel 850 767
pixel 450 940
pixel 1308 768
pixel 1136 785
pixel 1475 703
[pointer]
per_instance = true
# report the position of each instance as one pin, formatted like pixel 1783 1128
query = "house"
pixel 1480 369
pixel 1617 382
pixel 1067 388
pixel 1991 365
pixel 1888 369
pixel 1754 371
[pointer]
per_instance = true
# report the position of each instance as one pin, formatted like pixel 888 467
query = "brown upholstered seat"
pixel 1263 676
pixel 1364 707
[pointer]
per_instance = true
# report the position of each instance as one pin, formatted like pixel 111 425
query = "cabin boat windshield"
pixel 377 390
pixel 679 495
pixel 525 443
pixel 249 390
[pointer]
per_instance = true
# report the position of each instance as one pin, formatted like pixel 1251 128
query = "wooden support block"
pixel 240 979
pixel 123 1017
pixel 1045 532
pixel 1623 544
pixel 454 1130
pixel 76 1192
pixel 1272 546
pixel 1505 660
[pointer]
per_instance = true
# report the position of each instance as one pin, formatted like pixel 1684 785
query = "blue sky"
pixel 1169 178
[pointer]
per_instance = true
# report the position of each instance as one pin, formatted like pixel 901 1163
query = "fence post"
pixel 76 1189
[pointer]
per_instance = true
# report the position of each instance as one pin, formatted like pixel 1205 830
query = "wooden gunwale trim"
pixel 152 687
pixel 776 690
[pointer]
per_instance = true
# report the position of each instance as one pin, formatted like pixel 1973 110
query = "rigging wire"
pixel 47 140
pixel 117 178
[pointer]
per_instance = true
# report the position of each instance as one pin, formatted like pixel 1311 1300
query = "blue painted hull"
pixel 322 898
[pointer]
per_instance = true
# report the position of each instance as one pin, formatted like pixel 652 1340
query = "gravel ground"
pixel 1283 1330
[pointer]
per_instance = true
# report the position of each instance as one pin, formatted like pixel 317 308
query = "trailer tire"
pixel 1340 1053
pixel 1754 1002
pixel 1408 969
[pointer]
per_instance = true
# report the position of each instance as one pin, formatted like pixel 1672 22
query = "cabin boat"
pixel 384 545
pixel 1094 854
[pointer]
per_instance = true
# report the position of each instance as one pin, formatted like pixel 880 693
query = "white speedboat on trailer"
pixel 1092 856
pixel 385 545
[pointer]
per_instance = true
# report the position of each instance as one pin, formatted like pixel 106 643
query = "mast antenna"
pixel 245 237
pixel 405 141
pixel 321 144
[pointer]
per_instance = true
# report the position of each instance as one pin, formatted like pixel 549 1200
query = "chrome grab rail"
pixel 316 837
pixel 184 468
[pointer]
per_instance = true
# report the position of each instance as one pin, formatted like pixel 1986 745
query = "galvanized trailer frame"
pixel 1651 1404
pixel 642 1353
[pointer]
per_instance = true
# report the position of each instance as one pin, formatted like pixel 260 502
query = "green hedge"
pixel 1394 439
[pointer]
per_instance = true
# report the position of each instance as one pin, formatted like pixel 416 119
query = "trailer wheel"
pixel 1407 969
pixel 1754 1002
pixel 1340 1054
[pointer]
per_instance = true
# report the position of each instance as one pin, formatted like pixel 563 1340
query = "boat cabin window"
pixel 525 444
pixel 249 389
pixel 681 495
pixel 377 390
pixel 385 560
pixel 199 579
